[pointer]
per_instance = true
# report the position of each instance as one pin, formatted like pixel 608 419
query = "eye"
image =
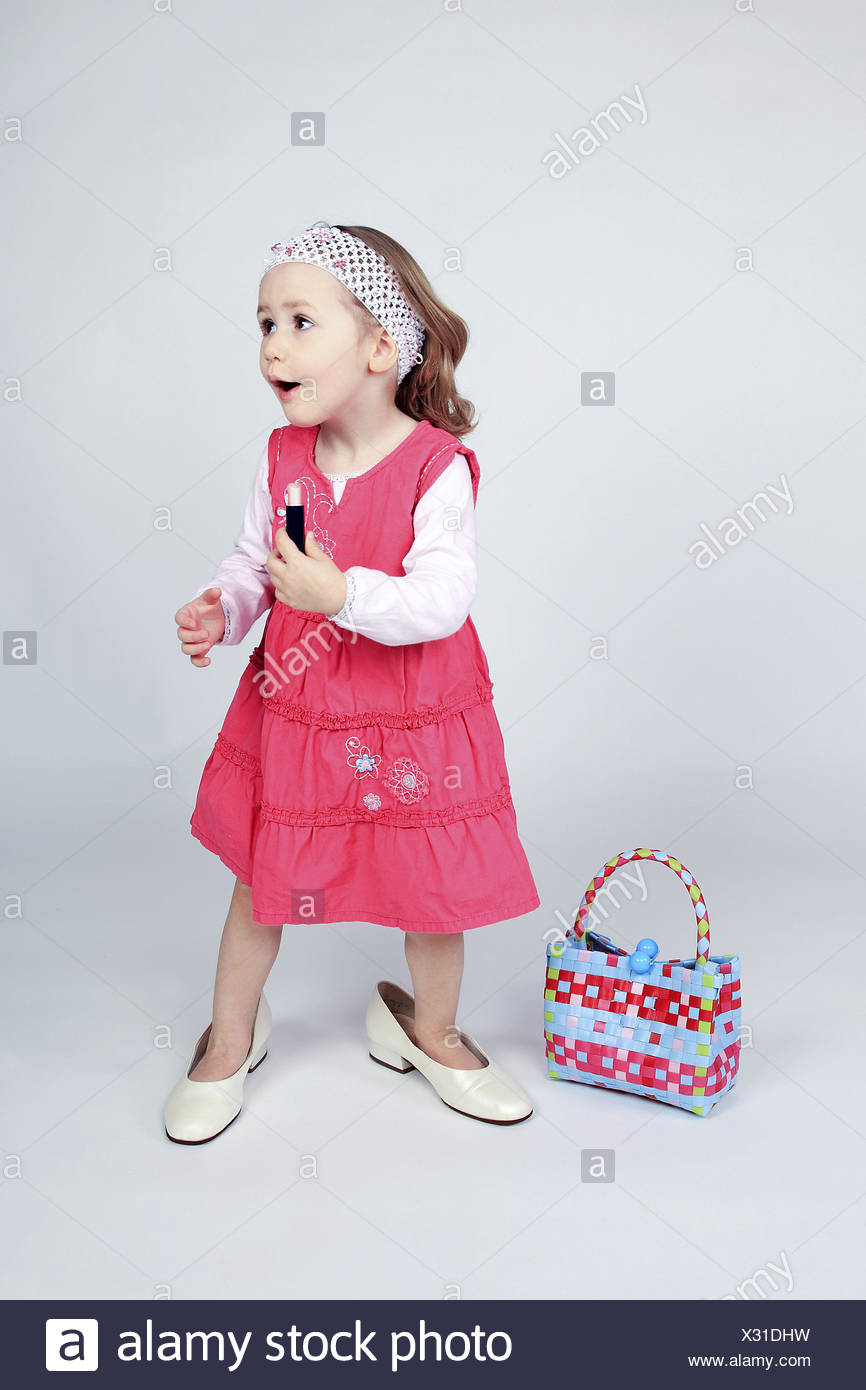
pixel 267 324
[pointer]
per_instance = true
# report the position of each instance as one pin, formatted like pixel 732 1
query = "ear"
pixel 384 354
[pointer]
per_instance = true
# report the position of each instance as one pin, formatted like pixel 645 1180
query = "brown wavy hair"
pixel 428 391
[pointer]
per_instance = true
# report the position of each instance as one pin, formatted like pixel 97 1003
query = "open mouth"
pixel 286 387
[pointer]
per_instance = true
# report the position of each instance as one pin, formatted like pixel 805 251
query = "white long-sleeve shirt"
pixel 430 600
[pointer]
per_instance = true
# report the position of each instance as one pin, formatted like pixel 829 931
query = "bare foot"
pixel 219 1064
pixel 448 1053
pixel 452 1055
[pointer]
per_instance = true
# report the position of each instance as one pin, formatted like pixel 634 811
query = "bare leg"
pixel 247 951
pixel 435 962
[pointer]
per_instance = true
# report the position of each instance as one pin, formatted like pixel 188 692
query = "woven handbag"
pixel 668 1030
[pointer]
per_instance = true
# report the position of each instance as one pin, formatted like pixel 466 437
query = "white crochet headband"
pixel 367 275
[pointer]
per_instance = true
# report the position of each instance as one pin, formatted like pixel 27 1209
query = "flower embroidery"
pixel 372 801
pixel 407 780
pixel 364 762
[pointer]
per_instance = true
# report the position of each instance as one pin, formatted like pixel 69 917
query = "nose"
pixel 270 345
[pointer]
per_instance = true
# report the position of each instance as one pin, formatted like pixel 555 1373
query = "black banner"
pixel 553 1342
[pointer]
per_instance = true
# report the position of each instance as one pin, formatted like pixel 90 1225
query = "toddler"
pixel 359 774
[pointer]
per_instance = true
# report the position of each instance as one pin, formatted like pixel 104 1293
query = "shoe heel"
pixel 387 1058
pixel 258 1059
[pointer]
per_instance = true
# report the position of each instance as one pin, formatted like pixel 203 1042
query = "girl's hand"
pixel 201 623
pixel 306 578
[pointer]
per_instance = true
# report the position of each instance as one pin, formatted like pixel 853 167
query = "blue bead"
pixel 640 962
pixel 648 947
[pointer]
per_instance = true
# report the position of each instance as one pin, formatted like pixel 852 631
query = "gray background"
pixel 140 390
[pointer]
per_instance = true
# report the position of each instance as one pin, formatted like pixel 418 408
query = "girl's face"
pixel 311 341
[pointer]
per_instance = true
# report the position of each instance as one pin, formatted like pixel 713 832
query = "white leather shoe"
pixel 197 1111
pixel 484 1093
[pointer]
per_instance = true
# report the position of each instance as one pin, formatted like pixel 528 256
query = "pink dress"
pixel 353 780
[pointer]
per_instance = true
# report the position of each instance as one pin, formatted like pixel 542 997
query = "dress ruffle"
pixel 296 857
pixel 479 880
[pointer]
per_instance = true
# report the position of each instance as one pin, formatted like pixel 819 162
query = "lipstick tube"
pixel 295 516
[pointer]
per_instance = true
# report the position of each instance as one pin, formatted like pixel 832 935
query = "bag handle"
pixel 697 897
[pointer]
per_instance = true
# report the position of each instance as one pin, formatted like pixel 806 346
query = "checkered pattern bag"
pixel 669 1030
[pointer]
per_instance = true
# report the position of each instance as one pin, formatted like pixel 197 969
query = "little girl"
pixel 359 774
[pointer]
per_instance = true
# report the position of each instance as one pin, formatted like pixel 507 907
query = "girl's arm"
pixel 246 585
pixel 432 599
